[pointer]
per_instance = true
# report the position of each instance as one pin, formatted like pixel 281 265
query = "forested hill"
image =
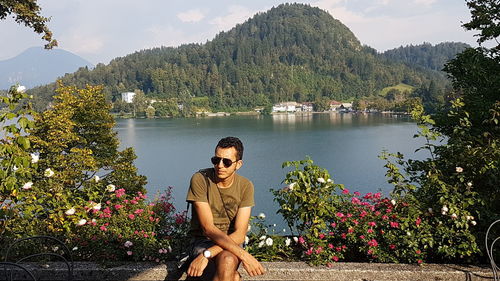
pixel 291 52
pixel 426 55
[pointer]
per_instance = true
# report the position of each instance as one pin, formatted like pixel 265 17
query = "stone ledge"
pixel 142 271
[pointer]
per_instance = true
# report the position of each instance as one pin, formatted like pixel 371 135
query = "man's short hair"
pixel 229 142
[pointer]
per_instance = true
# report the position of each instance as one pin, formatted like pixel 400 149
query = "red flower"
pixel 392 246
pixel 394 224
pixel 131 216
pixel 369 230
pixel 418 221
pixel 321 236
pixel 418 252
pixel 335 258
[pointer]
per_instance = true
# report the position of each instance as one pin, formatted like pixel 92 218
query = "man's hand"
pixel 197 266
pixel 251 265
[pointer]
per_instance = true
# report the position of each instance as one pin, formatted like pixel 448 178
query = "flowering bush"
pixel 266 245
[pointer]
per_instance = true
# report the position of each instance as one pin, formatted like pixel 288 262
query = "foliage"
pixel 27 12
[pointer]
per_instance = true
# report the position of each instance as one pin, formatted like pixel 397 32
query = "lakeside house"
pixel 128 97
pixel 289 106
pixel 292 107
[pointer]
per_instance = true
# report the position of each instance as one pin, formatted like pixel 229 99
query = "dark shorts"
pixel 198 245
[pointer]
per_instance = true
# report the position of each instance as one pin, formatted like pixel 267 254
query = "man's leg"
pixel 226 267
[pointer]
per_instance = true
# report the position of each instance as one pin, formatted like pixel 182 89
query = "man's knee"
pixel 227 260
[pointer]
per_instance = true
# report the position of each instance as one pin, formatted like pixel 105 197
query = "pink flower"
pixel 349 215
pixel 392 246
pixel 370 252
pixel 119 192
pixel 372 223
pixel 333 224
pixel 350 230
pixel 131 216
pixel 355 200
pixel 377 213
pixel 340 215
pixel 309 252
pixel 345 191
pixel 301 240
pixel 335 258
pixel 419 261
pixel 356 193
pixel 338 249
pixel 321 236
pixel 369 230
pixel 138 211
pixel 384 217
pixel 394 224
pixel 362 237
pixel 151 219
pixel 418 221
pixel 118 206
pixel 362 214
pixel 330 245
pixel 129 253
pixel 343 235
pixel 319 250
pixel 418 252
pixel 133 202
pixel 368 195
pixel 355 222
pixel 377 195
pixel 372 243
pixel 103 228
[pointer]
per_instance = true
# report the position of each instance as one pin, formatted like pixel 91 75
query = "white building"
pixel 289 106
pixel 128 97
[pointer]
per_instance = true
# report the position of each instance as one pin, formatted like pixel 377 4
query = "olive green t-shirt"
pixel 238 195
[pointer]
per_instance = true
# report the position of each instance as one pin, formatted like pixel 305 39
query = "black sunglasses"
pixel 227 162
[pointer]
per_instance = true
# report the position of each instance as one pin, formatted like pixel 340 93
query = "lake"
pixel 170 150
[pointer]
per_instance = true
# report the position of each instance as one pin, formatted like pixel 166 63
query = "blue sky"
pixel 100 30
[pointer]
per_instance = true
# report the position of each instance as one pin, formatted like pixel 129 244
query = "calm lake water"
pixel 170 150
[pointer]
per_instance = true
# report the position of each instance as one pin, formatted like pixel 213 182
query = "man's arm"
pixel 223 241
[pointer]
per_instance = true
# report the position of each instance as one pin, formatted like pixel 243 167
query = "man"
pixel 222 202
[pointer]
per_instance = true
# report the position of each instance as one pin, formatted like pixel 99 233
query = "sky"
pixel 100 30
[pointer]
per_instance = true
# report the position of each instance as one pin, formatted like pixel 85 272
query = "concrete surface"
pixel 275 271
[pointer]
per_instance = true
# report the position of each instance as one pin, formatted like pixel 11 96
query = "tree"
pixel 139 103
pixel 322 104
pixel 27 12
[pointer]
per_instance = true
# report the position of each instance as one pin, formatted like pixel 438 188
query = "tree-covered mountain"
pixel 291 52
pixel 426 55
pixel 37 66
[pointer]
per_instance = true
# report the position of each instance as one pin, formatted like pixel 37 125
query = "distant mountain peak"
pixel 37 66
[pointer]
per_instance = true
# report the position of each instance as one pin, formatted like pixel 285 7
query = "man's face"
pixel 221 171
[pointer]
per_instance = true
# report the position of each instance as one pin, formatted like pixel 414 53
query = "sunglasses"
pixel 227 162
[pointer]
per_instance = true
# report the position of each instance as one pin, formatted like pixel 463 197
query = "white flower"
pixel 75 248
pixel 249 227
pixel 34 158
pixel 169 249
pixel 21 89
pixel 97 206
pixel 290 186
pixel 288 241
pixel 110 188
pixel 329 180
pixel 459 169
pixel 453 216
pixel 295 239
pixel 96 178
pixel 269 241
pixel 129 253
pixel 81 222
pixel 444 210
pixel 128 244
pixel 321 180
pixel 70 212
pixel 28 185
pixel 469 184
pixel 261 216
pixel 94 221
pixel 247 239
pixel 48 173
pixel 473 222
pixel 393 202
pixel 430 210
pixel 15 168
pixel 261 243
pixel 408 233
pixel 262 237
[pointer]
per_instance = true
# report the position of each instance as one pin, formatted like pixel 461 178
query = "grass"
pixel 401 87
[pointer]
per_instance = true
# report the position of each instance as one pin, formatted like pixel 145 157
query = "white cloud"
pixel 77 42
pixel 424 2
pixel 194 15
pixel 236 14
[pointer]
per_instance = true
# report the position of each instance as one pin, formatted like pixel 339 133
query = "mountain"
pixel 37 66
pixel 291 52
pixel 426 55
